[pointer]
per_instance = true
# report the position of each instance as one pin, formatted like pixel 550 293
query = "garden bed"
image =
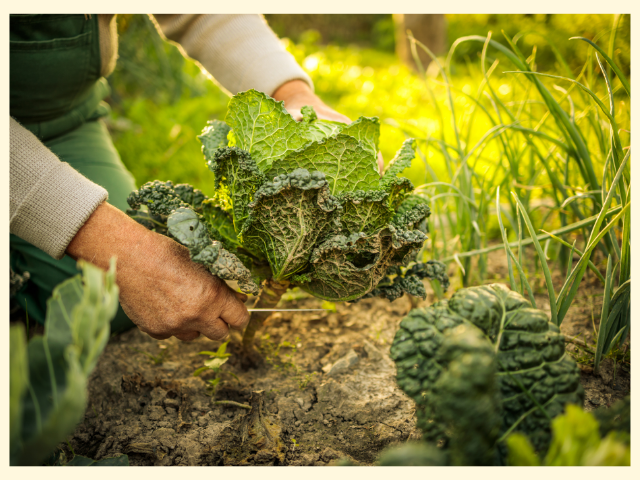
pixel 334 395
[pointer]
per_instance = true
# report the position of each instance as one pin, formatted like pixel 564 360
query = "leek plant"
pixel 561 150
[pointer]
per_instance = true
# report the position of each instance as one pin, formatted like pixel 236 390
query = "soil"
pixel 330 394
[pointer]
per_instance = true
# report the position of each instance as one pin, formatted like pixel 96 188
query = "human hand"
pixel 161 290
pixel 297 94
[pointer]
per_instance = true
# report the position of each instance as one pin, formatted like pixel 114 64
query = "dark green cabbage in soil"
pixel 298 202
pixel 480 366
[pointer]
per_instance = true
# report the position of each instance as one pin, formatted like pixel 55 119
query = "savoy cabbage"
pixel 298 204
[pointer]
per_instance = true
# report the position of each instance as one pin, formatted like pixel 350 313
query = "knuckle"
pixel 218 331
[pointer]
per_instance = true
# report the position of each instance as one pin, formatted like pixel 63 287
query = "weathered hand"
pixel 297 94
pixel 161 290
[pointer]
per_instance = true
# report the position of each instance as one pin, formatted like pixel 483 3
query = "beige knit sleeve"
pixel 240 51
pixel 49 200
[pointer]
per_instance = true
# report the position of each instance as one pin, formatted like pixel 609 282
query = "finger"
pixel 214 329
pixel 155 335
pixel 241 296
pixel 380 163
pixel 187 337
pixel 235 313
pixel 295 113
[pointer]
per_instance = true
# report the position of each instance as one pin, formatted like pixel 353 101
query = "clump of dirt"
pixel 326 389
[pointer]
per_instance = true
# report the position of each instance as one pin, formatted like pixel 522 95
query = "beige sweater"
pixel 50 201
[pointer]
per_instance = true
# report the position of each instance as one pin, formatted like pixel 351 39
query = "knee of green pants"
pixel 90 151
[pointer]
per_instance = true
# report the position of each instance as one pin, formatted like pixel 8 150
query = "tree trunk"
pixel 431 30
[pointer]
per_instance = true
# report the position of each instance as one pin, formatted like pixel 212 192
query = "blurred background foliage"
pixel 160 100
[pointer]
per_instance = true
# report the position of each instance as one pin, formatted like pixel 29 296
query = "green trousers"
pixel 89 149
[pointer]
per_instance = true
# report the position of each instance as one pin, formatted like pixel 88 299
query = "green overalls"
pixel 56 92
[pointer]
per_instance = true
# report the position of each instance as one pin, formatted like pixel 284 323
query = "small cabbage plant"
pixel 481 366
pixel 297 204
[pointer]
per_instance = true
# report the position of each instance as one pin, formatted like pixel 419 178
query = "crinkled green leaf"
pixel 466 396
pixel 413 217
pixel 344 268
pixel 409 203
pixel 220 225
pixel 346 163
pixel 190 195
pixel 190 229
pixel 235 170
pixel 366 212
pixel 398 188
pixel 411 285
pixel 318 129
pixel 399 163
pixel 213 137
pixel 309 114
pixel 159 197
pixel 433 270
pixel 287 217
pixel 409 280
pixel 157 223
pixel 321 129
pixel 367 132
pixel 262 127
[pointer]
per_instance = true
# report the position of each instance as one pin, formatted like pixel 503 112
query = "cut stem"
pixel 268 298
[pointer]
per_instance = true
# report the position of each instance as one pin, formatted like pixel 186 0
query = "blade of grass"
pixel 561 231
pixel 621 76
pixel 604 315
pixel 591 242
pixel 625 257
pixel 602 106
pixel 562 119
pixel 412 40
pixel 505 242
pixel 616 144
pixel 569 259
pixel 592 267
pixel 579 269
pixel 543 261
pixel 523 278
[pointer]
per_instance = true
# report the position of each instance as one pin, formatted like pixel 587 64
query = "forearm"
pixel 109 232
